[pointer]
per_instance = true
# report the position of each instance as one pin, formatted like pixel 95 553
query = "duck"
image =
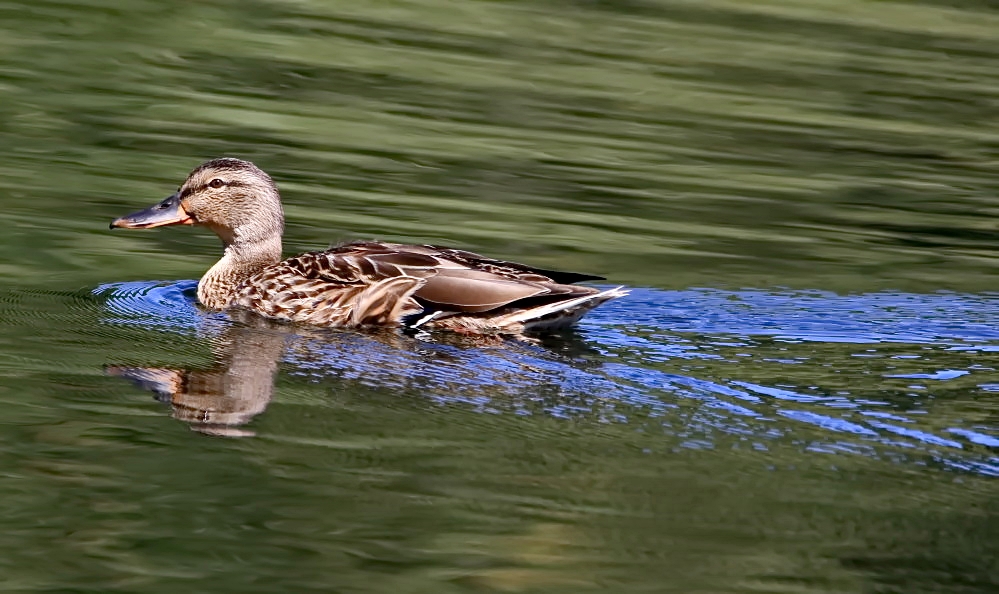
pixel 357 284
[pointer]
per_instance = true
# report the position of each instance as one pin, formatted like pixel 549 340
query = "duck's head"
pixel 232 197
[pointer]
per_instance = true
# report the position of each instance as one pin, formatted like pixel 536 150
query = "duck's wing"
pixel 467 283
pixel 503 268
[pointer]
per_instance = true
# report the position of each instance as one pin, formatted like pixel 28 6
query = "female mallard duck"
pixel 363 283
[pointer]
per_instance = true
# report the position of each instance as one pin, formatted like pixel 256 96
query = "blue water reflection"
pixel 830 372
pixel 814 315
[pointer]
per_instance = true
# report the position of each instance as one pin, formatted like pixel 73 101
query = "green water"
pixel 800 395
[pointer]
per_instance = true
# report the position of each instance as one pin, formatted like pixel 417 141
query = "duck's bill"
pixel 168 212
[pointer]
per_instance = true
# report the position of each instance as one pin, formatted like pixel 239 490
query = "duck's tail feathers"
pixel 561 314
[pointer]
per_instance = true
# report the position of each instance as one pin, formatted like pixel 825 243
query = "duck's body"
pixel 357 284
pixel 368 283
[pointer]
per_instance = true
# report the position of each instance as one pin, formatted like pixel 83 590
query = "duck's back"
pixel 383 284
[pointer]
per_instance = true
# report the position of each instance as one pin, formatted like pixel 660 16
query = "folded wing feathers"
pixel 373 283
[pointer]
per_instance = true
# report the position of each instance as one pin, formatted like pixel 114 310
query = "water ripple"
pixel 646 360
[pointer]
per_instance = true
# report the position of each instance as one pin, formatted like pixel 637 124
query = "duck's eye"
pixel 216 183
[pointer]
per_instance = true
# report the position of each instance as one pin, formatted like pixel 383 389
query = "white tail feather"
pixel 584 303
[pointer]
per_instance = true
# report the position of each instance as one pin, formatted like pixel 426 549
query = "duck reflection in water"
pixel 223 398
pixel 218 400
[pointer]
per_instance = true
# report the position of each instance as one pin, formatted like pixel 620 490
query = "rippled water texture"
pixel 799 394
pixel 643 356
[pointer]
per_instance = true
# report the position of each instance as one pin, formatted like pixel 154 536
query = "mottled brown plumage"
pixel 358 284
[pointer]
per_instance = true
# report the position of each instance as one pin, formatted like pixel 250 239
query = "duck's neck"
pixel 242 259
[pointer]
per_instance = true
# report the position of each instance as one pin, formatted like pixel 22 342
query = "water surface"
pixel 799 395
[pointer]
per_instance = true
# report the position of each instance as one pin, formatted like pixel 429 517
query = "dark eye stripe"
pixel 188 191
